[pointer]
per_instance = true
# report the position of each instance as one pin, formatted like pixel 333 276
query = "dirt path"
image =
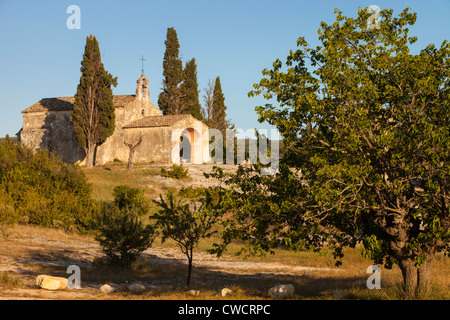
pixel 29 250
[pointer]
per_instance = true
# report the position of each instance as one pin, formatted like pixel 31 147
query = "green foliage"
pixel 176 172
pixel 93 111
pixel 126 197
pixel 169 100
pixel 189 90
pixel 41 187
pixel 188 222
pixel 267 211
pixel 218 120
pixel 366 130
pixel 192 192
pixel 8 215
pixel 122 236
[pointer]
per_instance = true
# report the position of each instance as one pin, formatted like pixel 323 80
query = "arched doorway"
pixel 190 146
pixel 185 149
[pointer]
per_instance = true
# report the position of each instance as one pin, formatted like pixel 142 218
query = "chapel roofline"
pixel 66 103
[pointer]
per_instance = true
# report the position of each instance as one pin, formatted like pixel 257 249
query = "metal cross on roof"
pixel 142 59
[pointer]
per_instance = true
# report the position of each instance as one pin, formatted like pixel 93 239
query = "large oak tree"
pixel 366 133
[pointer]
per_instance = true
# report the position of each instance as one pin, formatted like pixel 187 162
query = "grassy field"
pixel 105 178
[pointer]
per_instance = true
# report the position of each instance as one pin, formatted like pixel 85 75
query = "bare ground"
pixel 29 251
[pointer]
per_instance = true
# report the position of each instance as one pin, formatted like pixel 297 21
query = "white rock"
pixel 51 283
pixel 281 291
pixel 194 292
pixel 106 288
pixel 225 292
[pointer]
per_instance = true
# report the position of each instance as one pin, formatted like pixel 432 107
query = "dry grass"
pixel 350 279
pixel 54 252
pixel 10 280
pixel 169 276
pixel 105 178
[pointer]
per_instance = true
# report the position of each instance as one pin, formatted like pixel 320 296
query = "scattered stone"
pixel 281 291
pixel 123 287
pixel 51 283
pixel 225 292
pixel 194 292
pixel 338 294
pixel 106 288
pixel 136 287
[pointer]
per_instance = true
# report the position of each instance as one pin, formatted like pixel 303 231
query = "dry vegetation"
pixel 28 251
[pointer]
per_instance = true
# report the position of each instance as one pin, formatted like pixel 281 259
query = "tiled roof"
pixel 66 103
pixel 157 121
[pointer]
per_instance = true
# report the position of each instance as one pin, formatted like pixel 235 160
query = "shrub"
pixel 176 172
pixel 43 188
pixel 8 215
pixel 192 192
pixel 122 236
pixel 129 197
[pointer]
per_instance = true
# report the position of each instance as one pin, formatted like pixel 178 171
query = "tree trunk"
pixel 132 150
pixel 130 159
pixel 423 276
pixel 188 282
pixel 90 151
pixel 409 273
pixel 415 279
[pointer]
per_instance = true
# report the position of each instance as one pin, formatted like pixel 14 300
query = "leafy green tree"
pixel 189 90
pixel 170 99
pixel 187 223
pixel 365 126
pixel 93 114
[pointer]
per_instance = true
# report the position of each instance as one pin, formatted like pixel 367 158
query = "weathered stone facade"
pixel 46 124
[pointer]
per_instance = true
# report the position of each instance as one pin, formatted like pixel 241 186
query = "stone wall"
pixel 114 147
pixel 53 131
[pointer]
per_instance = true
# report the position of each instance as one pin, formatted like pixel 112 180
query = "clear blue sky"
pixel 40 57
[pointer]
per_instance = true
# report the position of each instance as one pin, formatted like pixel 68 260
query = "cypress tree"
pixel 189 90
pixel 93 114
pixel 218 120
pixel 169 100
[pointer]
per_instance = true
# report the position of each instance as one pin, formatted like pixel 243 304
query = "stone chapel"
pixel 166 139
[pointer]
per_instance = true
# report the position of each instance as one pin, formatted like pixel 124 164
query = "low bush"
pixel 126 197
pixel 122 235
pixel 176 172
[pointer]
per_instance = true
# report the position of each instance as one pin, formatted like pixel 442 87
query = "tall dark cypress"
pixel 169 100
pixel 218 120
pixel 93 113
pixel 189 90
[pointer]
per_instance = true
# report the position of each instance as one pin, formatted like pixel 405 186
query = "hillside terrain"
pixel 27 251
